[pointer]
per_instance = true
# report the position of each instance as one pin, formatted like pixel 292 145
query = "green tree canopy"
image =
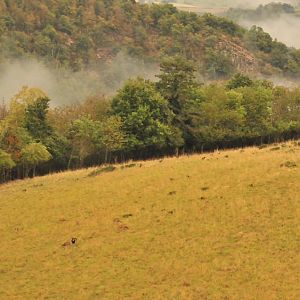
pixel 36 119
pixel 6 161
pixel 176 79
pixel 82 135
pixel 110 136
pixel 18 104
pixel 239 80
pixel 144 113
pixel 32 155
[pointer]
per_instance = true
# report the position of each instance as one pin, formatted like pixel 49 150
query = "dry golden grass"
pixel 213 226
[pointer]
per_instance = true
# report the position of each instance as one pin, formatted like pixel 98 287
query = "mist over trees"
pixel 144 119
pixel 280 20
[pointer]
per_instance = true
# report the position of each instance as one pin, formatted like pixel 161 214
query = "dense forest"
pixel 172 115
pixel 79 34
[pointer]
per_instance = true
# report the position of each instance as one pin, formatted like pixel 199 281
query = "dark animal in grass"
pixel 69 243
pixel 127 215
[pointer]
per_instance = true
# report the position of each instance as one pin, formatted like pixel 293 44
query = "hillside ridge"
pixel 77 35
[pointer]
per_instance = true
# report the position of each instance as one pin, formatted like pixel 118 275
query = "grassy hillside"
pixel 223 225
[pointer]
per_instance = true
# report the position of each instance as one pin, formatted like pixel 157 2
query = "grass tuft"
pixel 101 171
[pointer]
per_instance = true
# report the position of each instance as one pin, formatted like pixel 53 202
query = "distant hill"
pixel 262 12
pixel 76 34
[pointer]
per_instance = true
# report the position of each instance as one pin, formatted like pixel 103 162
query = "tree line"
pixel 144 119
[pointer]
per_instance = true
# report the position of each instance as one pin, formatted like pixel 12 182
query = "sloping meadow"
pixel 211 226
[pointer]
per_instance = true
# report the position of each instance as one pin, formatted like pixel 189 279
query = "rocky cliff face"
pixel 242 59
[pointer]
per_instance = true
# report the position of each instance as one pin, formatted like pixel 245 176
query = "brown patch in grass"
pixel 289 164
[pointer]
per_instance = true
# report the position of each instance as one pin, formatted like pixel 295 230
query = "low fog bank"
pixel 66 87
pixel 281 81
pixel 281 26
pixel 285 29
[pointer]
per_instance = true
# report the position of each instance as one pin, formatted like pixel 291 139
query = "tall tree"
pixel 36 119
pixel 177 85
pixel 6 163
pixel 110 136
pixel 258 106
pixel 82 135
pixel 32 155
pixel 18 104
pixel 176 79
pixel 145 116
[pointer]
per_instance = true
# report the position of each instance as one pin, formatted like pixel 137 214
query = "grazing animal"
pixel 73 242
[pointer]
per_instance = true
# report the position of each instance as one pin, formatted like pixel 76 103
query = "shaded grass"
pixel 102 170
pixel 226 226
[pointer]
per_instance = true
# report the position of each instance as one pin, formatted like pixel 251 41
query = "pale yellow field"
pixel 221 227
